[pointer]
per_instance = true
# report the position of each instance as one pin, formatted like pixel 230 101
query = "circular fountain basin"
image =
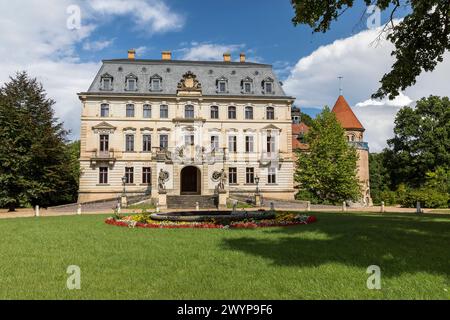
pixel 197 216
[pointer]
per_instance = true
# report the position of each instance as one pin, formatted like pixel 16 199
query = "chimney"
pixel 131 54
pixel 227 57
pixel 167 55
pixel 242 57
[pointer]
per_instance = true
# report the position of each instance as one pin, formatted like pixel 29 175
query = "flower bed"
pixel 143 221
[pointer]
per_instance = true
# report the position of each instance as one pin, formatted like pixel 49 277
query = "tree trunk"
pixel 12 207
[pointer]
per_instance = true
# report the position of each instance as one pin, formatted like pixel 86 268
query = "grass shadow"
pixel 398 244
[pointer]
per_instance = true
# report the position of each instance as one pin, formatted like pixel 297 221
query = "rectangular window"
pixel 106 84
pixel 214 112
pixel 129 175
pixel 129 143
pixel 146 175
pixel 270 144
pixel 270 113
pixel 146 143
pixel 272 177
pixel 130 111
pixel 164 112
pixel 103 175
pixel 189 140
pixel 269 87
pixel 147 111
pixel 156 85
pixel 250 175
pixel 214 143
pixel 249 144
pixel 222 86
pixel 104 112
pixel 131 84
pixel 249 113
pixel 164 141
pixel 231 112
pixel 232 144
pixel 247 87
pixel 232 175
pixel 189 112
pixel 104 142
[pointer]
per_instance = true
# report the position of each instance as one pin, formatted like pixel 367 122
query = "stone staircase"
pixel 189 202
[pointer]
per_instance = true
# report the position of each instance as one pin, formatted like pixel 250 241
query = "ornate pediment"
pixel 103 127
pixel 271 127
pixel 189 84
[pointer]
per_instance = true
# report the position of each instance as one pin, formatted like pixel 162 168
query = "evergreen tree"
pixel 327 172
pixel 33 154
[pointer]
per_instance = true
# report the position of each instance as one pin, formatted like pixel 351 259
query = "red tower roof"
pixel 345 115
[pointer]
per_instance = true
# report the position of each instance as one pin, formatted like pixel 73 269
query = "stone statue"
pixel 222 180
pixel 162 179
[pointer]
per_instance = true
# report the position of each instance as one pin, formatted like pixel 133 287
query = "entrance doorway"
pixel 190 181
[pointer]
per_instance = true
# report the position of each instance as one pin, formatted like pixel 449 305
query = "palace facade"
pixel 185 121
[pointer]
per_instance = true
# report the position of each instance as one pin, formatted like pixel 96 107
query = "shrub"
pixel 428 198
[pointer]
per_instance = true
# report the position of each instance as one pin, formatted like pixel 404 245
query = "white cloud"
pixel 209 51
pixel 400 101
pixel 97 45
pixel 141 51
pixel 362 64
pixel 150 15
pixel 35 38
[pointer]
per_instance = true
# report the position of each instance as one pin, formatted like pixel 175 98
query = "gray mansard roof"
pixel 171 72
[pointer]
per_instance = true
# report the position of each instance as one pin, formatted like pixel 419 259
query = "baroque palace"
pixel 185 128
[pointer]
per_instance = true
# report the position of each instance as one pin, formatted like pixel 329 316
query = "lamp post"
pixel 257 195
pixel 257 184
pixel 123 201
pixel 124 182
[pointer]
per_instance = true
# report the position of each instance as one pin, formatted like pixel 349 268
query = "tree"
pixel 327 172
pixel 379 178
pixel 307 119
pixel 420 39
pixel 421 143
pixel 33 154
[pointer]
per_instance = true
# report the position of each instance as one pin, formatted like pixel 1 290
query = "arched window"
pixel 189 112
pixel 270 113
pixel 147 111
pixel 248 113
pixel 130 111
pixel 231 112
pixel 214 112
pixel 104 110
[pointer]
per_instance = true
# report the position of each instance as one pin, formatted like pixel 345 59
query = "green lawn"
pixel 324 260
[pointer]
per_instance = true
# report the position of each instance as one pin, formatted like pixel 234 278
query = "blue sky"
pixel 263 26
pixel 35 38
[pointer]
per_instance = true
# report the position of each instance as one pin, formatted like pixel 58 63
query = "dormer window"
pixel 106 82
pixel 267 86
pixel 247 85
pixel 222 85
pixel 131 83
pixel 155 83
